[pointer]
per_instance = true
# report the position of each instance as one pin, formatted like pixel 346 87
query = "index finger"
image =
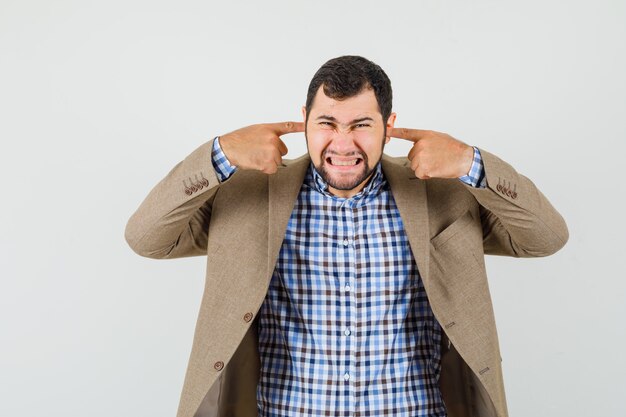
pixel 287 127
pixel 409 134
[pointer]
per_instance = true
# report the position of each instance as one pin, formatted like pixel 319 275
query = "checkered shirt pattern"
pixel 346 328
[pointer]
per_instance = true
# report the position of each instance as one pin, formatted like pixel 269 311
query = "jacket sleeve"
pixel 173 220
pixel 517 219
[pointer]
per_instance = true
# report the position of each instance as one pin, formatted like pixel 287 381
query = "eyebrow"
pixel 331 118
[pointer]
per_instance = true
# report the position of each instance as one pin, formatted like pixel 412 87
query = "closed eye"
pixel 330 124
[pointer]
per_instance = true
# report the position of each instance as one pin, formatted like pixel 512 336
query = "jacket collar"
pixel 409 193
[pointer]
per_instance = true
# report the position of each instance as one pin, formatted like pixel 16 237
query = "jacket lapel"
pixel 284 187
pixel 409 192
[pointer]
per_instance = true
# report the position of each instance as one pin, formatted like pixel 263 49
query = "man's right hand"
pixel 258 146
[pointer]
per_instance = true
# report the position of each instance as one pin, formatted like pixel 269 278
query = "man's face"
pixel 345 139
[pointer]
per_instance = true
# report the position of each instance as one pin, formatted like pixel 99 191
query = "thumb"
pixel 282 147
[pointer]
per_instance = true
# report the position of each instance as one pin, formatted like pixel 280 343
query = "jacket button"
pixel 247 317
pixel 188 191
pixel 219 365
pixel 514 195
pixel 499 187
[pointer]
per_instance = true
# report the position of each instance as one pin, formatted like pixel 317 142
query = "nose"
pixel 343 143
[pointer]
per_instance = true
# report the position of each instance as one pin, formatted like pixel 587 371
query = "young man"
pixel 345 282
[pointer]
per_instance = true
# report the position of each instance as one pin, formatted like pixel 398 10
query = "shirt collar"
pixel 375 183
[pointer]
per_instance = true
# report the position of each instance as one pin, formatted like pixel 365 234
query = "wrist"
pixel 467 159
pixel 224 142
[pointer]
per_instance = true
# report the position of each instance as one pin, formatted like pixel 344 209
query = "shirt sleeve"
pixel 222 165
pixel 476 175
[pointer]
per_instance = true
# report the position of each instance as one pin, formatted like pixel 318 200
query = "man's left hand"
pixel 436 154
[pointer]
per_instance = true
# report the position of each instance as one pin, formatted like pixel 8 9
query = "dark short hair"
pixel 348 75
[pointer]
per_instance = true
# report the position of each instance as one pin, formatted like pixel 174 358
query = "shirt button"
pixel 346 242
pixel 347 332
pixel 347 288
pixel 346 376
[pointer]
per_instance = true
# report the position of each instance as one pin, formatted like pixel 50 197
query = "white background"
pixel 99 100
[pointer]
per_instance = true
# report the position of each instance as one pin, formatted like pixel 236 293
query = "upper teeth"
pixel 339 162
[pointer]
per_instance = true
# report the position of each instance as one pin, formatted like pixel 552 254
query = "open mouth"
pixel 344 162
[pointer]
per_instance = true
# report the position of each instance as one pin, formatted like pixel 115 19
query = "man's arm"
pixel 173 220
pixel 517 219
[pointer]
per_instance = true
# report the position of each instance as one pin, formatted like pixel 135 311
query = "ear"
pixel 390 122
pixel 304 113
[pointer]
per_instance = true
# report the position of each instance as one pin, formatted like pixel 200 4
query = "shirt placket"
pixel 348 289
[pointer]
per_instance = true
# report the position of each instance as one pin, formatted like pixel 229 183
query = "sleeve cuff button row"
pixel 506 190
pixel 195 186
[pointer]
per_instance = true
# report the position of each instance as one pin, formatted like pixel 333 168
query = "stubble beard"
pixel 343 182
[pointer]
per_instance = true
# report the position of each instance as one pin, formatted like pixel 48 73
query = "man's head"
pixel 347 115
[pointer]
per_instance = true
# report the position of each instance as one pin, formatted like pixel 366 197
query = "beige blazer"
pixel 240 224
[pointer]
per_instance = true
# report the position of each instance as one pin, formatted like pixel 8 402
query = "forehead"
pixel 362 105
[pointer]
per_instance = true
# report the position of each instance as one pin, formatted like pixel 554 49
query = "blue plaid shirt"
pixel 346 328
